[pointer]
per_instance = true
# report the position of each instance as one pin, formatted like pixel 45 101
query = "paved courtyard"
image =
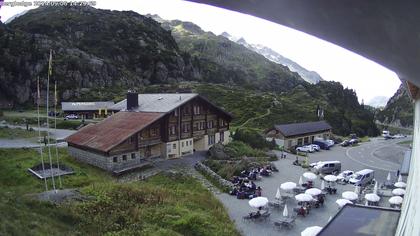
pixel 367 155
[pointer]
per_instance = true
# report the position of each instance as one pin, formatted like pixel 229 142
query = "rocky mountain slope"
pixel 100 50
pixel 93 49
pixel 399 110
pixel 222 60
pixel 309 76
pixel 99 54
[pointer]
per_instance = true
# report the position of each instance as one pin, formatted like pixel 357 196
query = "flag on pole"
pixel 55 94
pixel 50 64
pixel 38 93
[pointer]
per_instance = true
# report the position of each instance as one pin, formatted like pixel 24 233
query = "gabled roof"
pixel 355 219
pixel 112 131
pixel 157 102
pixel 85 106
pixel 295 129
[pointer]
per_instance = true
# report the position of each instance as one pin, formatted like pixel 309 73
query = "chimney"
pixel 132 100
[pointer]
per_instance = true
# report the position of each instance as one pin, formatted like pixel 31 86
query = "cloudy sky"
pixel 330 61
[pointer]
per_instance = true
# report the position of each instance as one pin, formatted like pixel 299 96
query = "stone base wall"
pixel 91 158
pixel 223 182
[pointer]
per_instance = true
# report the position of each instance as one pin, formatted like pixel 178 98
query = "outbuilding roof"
pixel 85 106
pixel 157 102
pixel 296 129
pixel 112 131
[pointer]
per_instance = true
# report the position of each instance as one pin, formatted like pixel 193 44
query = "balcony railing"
pixel 148 142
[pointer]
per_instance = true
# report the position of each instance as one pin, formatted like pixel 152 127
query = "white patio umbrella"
pixel 397 200
pixel 313 191
pixel 341 202
pixel 258 202
pixel 300 181
pixel 375 188
pixel 400 185
pixel 288 186
pixel 311 231
pixel 309 175
pixel 388 178
pixel 398 191
pixel 372 197
pixel 330 178
pixel 350 195
pixel 322 185
pixel 303 197
pixel 278 195
pixel 285 211
pixel 399 178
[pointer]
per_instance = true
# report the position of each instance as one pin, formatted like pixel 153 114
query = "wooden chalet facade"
pixel 297 134
pixel 151 126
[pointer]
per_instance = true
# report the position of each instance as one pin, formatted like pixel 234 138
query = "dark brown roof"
pixel 295 129
pixel 114 130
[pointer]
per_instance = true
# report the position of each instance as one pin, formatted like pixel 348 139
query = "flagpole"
pixel 48 121
pixel 55 128
pixel 38 99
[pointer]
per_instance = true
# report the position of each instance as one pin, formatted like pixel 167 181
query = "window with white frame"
pixel 172 130
pixel 209 124
pixel 197 110
pixel 211 139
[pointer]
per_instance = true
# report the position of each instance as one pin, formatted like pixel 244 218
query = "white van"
pixel 327 167
pixel 363 177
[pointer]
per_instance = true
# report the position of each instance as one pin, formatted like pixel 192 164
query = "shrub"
pixel 238 149
pixel 253 138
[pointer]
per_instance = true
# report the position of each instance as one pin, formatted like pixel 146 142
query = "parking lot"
pixel 374 155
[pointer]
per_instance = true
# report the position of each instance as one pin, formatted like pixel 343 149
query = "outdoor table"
pixel 251 216
pixel 287 222
pixel 388 185
pixel 299 189
pixel 276 204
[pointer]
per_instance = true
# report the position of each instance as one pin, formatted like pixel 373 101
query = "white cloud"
pixel 330 61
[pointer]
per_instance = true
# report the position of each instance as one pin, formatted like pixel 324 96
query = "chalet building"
pixel 147 126
pixel 297 134
pixel 87 110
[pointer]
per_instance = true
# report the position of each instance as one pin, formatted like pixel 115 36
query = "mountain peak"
pixel 226 35
pixel 241 41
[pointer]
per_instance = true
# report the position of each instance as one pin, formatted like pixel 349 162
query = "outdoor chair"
pixel 285 222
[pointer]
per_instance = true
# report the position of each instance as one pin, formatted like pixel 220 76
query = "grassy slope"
pixel 160 206
pixel 9 133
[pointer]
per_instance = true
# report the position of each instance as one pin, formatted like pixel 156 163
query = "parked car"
pixel 312 165
pixel 345 143
pixel 328 167
pixel 363 177
pixel 328 142
pixel 322 145
pixel 315 147
pixel 345 176
pixel 353 141
pixel 71 117
pixel 305 149
pixel 399 136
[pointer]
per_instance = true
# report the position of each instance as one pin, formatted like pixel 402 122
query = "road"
pixel 58 134
pixel 352 158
